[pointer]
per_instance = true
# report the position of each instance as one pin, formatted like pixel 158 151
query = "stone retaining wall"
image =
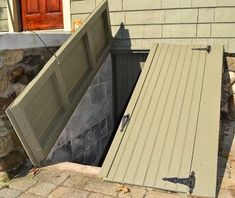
pixel 17 69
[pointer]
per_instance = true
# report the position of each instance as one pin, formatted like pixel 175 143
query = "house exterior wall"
pixel 3 16
pixel 169 21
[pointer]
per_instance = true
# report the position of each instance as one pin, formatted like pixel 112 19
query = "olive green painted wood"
pixel 134 98
pixel 126 70
pixel 42 110
pixel 207 136
pixel 175 102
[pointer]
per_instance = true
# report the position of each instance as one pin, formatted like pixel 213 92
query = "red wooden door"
pixel 41 14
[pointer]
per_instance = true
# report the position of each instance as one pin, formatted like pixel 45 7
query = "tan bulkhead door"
pixel 168 138
pixel 42 110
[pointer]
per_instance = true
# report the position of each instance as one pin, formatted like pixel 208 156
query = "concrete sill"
pixel 24 40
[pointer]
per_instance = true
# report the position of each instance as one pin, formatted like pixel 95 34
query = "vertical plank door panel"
pixel 174 112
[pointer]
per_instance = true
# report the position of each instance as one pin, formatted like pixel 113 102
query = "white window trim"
pixel 66 15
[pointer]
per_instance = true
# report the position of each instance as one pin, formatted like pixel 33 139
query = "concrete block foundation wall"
pixel 166 21
pixel 86 135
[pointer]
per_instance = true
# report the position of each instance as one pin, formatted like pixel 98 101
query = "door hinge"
pixel 189 181
pixel 125 120
pixel 208 49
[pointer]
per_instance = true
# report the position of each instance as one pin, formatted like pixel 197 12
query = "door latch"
pixel 189 181
pixel 208 49
pixel 125 120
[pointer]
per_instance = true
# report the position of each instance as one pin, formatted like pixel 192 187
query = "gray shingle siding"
pixel 170 21
pixel 3 16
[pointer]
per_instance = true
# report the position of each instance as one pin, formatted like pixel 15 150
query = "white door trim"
pixel 10 15
pixel 66 15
